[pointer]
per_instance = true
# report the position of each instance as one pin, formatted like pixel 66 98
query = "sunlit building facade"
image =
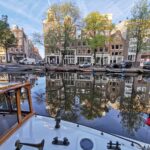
pixel 19 51
pixel 78 51
pixel 2 55
pixel 23 48
pixel 118 47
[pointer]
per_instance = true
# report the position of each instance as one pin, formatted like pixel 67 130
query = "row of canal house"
pixel 120 48
pixel 79 51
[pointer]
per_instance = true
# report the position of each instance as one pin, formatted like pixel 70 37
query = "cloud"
pixel 19 11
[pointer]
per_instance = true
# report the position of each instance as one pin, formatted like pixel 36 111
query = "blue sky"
pixel 30 13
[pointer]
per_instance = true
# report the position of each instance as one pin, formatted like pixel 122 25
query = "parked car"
pixel 27 61
pixel 146 65
pixel 126 64
pixel 114 65
pixel 85 65
pixel 40 62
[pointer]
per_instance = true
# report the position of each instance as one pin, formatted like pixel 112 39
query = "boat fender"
pixel 147 122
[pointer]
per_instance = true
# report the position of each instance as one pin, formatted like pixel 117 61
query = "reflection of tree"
pixel 130 110
pixel 93 109
pixel 39 96
pixel 53 100
pixel 61 93
pixel 61 97
pixel 93 105
pixel 69 95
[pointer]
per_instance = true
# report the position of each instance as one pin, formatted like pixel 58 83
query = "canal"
pixel 112 103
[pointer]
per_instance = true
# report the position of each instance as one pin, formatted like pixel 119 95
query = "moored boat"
pixel 22 129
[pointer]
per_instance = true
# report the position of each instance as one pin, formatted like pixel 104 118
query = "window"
pixel 114 83
pixel 72 43
pixel 112 53
pixel 20 42
pixel 117 46
pixel 84 43
pixel 121 46
pixel 89 51
pixel 20 34
pixel 112 46
pixel 89 59
pixel 116 53
pixel 83 51
pixel 87 84
pixel 101 49
pixel 113 89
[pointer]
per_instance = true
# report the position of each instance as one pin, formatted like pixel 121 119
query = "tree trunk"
pixel 138 49
pixel 136 57
pixel 102 60
pixel 6 54
pixel 62 59
pixel 94 57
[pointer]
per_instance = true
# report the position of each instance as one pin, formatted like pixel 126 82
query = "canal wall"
pixel 19 68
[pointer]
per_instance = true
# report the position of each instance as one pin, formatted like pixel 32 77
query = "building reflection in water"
pixel 18 77
pixel 96 95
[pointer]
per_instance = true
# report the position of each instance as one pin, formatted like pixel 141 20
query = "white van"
pixel 27 61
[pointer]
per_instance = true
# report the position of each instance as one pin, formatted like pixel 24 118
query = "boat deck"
pixel 38 128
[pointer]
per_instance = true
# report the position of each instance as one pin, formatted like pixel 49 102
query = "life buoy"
pixel 147 122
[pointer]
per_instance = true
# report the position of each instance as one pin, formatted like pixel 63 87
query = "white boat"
pixel 34 132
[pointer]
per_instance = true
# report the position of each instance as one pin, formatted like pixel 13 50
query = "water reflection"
pixel 111 103
pixel 91 98
pixel 18 77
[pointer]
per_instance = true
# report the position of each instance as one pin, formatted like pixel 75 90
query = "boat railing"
pixel 11 104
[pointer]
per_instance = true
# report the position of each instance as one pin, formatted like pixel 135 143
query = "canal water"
pixel 112 103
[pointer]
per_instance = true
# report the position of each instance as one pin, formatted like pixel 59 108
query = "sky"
pixel 28 14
